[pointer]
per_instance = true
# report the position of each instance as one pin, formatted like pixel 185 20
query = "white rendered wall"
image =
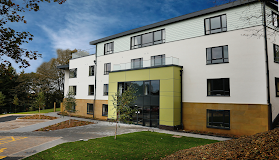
pixel 66 83
pixel 236 19
pixel 83 79
pixel 246 67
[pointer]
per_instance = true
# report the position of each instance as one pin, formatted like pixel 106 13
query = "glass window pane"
pixel 225 51
pixel 208 53
pixel 217 53
pixel 146 88
pixel 139 87
pixel 224 21
pixel 217 84
pixel 215 30
pixel 157 35
pixel 215 23
pixel 155 87
pixel 147 39
pixel 146 100
pixel 207 28
pixel 146 112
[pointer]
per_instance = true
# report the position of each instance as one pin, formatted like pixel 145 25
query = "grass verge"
pixel 139 145
pixel 37 112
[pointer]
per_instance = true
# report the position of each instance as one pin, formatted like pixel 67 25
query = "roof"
pixel 176 19
pixel 64 67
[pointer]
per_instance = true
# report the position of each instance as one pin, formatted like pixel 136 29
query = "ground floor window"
pixel 218 119
pixel 105 110
pixel 90 108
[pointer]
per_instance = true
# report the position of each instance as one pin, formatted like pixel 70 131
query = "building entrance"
pixel 147 103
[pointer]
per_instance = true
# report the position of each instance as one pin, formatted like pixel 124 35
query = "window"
pixel 73 73
pixel 90 108
pixel 107 68
pixel 73 89
pixel 276 53
pixel 215 24
pixel 275 19
pixel 218 87
pixel 91 90
pixel 217 55
pixel 148 39
pixel 158 60
pixel 218 119
pixel 91 70
pixel 136 63
pixel 105 89
pixel 109 48
pixel 105 110
pixel 277 86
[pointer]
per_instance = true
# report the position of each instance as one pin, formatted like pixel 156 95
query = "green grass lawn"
pixel 139 145
pixel 37 112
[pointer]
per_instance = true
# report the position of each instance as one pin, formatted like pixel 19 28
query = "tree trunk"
pixel 115 130
pixel 39 113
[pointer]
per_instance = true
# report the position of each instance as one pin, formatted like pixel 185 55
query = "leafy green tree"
pixel 15 102
pixel 70 104
pixel 122 103
pixel 10 40
pixel 40 101
pixel 2 99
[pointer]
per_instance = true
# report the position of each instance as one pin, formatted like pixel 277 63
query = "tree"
pixel 70 104
pixel 122 103
pixel 15 102
pixel 2 99
pixel 40 101
pixel 10 40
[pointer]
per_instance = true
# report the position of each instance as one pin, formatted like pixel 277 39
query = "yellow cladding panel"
pixel 117 77
pixel 166 102
pixel 177 115
pixel 166 85
pixel 177 85
pixel 161 73
pixel 176 72
pixel 166 116
pixel 137 75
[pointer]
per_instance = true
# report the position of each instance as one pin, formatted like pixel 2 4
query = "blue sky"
pixel 77 22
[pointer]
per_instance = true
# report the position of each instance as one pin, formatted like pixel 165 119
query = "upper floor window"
pixel 276 53
pixel 275 19
pixel 277 86
pixel 105 89
pixel 109 48
pixel 218 87
pixel 158 60
pixel 148 39
pixel 73 89
pixel 91 90
pixel 91 70
pixel 215 24
pixel 136 63
pixel 217 55
pixel 73 73
pixel 107 68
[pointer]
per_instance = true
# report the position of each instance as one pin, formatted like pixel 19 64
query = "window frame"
pixel 221 25
pixel 224 87
pixel 89 110
pixel 163 60
pixel 92 71
pixel 224 114
pixel 75 72
pixel 105 89
pixel 133 61
pixel 105 115
pixel 276 87
pixel 90 93
pixel 211 48
pixel 275 51
pixel 106 70
pixel 273 21
pixel 107 52
pixel 141 45
pixel 75 90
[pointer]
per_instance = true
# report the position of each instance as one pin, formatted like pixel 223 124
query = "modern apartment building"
pixel 212 70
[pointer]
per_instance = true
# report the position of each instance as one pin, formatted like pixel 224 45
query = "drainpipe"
pixel 181 103
pixel 267 70
pixel 95 86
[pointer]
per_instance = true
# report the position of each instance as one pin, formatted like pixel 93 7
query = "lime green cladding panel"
pixel 170 90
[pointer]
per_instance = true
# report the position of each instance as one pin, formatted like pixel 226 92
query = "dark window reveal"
pixel 105 110
pixel 73 89
pixel 218 87
pixel 136 63
pixel 276 53
pixel 148 39
pixel 105 89
pixel 109 48
pixel 107 68
pixel 90 108
pixel 277 86
pixel 217 55
pixel 218 119
pixel 73 73
pixel 275 19
pixel 91 90
pixel 215 24
pixel 91 70
pixel 158 60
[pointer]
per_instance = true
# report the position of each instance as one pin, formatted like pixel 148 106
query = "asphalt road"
pixel 9 118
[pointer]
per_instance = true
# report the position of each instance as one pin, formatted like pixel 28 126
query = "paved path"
pixel 34 142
